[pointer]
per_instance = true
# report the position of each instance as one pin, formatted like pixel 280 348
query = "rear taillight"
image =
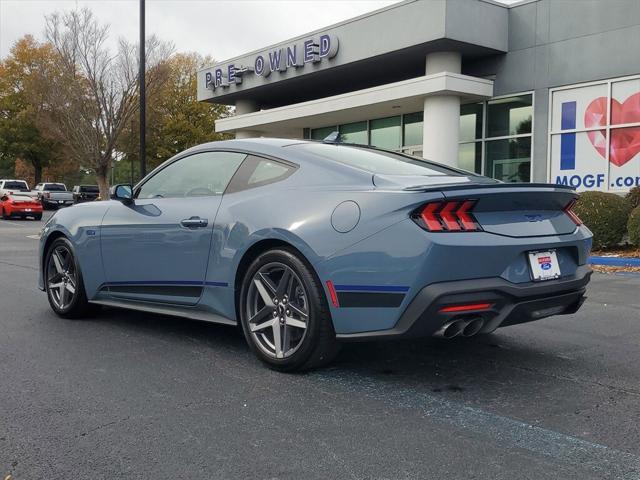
pixel 571 214
pixel 47 194
pixel 452 216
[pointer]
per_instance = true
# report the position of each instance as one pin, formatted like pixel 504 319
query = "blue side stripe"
pixel 370 288
pixel 168 282
pixel 568 140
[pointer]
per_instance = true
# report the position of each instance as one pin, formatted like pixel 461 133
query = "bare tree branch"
pixel 98 94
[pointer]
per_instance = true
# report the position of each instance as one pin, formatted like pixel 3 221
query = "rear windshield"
pixel 88 189
pixel 21 197
pixel 16 186
pixel 55 187
pixel 376 161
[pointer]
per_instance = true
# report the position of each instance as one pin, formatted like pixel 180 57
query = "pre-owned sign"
pixel 297 55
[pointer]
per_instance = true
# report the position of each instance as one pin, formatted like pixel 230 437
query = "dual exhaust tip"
pixel 465 327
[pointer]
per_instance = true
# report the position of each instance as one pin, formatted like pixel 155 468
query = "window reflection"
pixel 470 122
pixel 354 133
pixel 412 129
pixel 509 160
pixel 386 133
pixel 509 116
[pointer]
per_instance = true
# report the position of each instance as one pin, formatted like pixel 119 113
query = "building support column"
pixel 242 107
pixel 441 125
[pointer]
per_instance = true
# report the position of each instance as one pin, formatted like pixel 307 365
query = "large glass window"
pixel 595 135
pixel 322 133
pixel 509 160
pixel 200 174
pixel 509 116
pixel 386 133
pixel 495 138
pixel 412 129
pixel 470 121
pixel 470 156
pixel 354 133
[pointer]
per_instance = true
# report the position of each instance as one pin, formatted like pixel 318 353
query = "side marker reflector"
pixel 333 294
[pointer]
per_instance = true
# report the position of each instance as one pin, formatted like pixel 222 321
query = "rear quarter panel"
pixel 300 215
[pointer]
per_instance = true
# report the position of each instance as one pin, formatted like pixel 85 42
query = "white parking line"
pixel 35 237
pixel 13 223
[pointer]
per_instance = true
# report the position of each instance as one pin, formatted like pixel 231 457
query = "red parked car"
pixel 20 205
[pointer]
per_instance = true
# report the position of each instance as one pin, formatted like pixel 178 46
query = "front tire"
pixel 63 281
pixel 284 313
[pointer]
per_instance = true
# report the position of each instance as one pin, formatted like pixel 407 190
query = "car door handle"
pixel 194 222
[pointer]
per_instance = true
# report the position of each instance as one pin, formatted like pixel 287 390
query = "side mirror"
pixel 122 193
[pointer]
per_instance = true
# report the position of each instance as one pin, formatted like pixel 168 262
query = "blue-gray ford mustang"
pixel 309 244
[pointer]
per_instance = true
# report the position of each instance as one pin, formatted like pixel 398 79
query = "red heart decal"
pixel 625 142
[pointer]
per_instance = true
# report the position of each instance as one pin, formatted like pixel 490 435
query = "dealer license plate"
pixel 544 265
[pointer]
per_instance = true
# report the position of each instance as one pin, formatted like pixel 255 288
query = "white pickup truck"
pixel 53 195
pixel 7 187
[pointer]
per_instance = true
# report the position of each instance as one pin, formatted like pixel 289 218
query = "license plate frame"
pixel 543 265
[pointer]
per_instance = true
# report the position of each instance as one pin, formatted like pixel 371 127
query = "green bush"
pixel 633 226
pixel 606 216
pixel 633 198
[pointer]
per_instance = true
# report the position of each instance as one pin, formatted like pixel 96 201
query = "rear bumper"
pixel 511 304
pixel 55 203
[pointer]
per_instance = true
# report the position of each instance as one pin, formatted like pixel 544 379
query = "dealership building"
pixel 539 90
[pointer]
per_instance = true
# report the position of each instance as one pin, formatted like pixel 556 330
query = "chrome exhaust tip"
pixel 450 329
pixel 472 327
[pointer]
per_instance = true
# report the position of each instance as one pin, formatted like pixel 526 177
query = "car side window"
pixel 258 171
pixel 198 175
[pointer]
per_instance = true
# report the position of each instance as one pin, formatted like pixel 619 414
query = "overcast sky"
pixel 221 28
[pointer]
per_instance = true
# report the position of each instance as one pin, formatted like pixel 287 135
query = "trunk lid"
pixel 521 210
pixel 514 210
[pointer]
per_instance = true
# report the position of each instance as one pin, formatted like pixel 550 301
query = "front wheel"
pixel 63 281
pixel 284 313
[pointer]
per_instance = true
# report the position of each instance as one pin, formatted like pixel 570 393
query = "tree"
pixel 175 118
pixel 96 96
pixel 26 116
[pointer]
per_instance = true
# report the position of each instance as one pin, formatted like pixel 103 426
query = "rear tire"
pixel 38 217
pixel 4 215
pixel 286 319
pixel 63 282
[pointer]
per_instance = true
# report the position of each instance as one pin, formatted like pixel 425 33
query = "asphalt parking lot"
pixel 132 395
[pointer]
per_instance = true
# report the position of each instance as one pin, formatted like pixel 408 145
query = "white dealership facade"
pixel 541 90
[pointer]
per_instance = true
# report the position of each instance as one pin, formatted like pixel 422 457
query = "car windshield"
pixel 89 189
pixel 376 161
pixel 16 186
pixel 55 187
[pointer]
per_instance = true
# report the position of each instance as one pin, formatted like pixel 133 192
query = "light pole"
pixel 141 80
